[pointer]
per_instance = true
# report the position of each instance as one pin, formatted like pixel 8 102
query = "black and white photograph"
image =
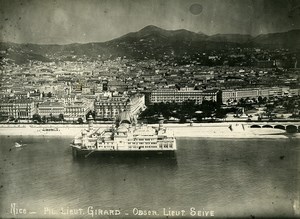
pixel 149 109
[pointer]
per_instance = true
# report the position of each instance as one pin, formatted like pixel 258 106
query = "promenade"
pixel 203 130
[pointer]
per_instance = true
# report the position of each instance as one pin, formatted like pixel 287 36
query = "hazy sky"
pixel 70 21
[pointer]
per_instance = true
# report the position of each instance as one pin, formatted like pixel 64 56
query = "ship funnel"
pixel 90 122
pixel 160 121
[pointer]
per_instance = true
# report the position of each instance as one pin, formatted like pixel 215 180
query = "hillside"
pixel 290 39
pixel 149 42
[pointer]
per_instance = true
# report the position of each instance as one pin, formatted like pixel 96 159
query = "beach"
pixel 204 130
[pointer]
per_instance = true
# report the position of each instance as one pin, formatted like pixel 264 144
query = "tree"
pixel 36 117
pixel 44 119
pixel 264 99
pixel 188 107
pixel 49 94
pixel 221 113
pixel 51 117
pixel 199 117
pixel 182 119
pixel 80 120
pixel 208 107
pixel 260 100
pixel 242 102
pixel 61 117
pixel 269 110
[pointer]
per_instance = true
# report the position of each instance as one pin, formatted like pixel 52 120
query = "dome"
pixel 122 129
pixel 125 117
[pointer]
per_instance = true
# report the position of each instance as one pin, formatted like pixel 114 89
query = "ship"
pixel 126 136
pixel 18 145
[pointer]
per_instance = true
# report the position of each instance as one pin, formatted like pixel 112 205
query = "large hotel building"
pixel 179 96
pixel 237 94
pixel 110 107
pixel 23 109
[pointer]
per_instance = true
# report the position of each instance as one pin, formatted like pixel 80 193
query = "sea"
pixel 206 178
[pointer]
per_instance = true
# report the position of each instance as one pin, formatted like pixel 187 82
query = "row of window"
pixel 74 114
pixel 166 145
pixel 108 113
pixel 110 104
pixel 139 147
pixel 13 109
pixel 141 143
pixel 51 111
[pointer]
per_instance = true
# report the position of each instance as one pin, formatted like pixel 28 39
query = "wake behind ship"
pixel 125 137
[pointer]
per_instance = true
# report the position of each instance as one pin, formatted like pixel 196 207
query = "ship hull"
pixel 83 153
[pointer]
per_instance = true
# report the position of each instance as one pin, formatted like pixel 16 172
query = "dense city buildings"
pixel 70 90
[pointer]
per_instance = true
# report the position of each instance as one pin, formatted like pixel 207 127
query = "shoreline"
pixel 197 130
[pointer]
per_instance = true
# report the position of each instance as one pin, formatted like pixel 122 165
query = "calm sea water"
pixel 233 177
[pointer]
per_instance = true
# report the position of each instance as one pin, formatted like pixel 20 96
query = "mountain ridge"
pixel 151 42
pixel 150 29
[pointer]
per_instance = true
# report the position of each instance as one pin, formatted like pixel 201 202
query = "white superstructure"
pixel 126 137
